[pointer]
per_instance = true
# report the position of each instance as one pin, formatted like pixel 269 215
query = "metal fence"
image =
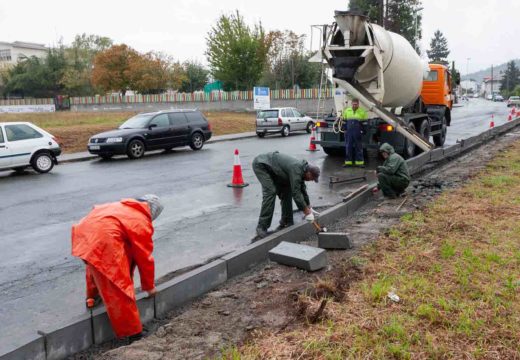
pixel 12 102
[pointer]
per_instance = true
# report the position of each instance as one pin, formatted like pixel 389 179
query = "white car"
pixel 282 121
pixel 23 144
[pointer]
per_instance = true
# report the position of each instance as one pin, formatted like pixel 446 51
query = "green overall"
pixel 393 176
pixel 280 175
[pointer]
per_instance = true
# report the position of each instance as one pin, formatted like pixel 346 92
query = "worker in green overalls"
pixel 353 118
pixel 285 176
pixel 393 175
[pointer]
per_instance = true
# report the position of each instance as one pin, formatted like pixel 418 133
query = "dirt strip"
pixel 269 298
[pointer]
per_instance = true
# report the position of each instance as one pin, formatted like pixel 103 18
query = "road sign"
pixel 261 98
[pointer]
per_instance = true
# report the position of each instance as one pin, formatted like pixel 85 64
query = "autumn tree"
pixel 236 53
pixel 112 68
pixel 148 73
pixel 438 48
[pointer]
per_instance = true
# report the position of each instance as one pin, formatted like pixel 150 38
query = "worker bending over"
pixel 393 175
pixel 353 118
pixel 112 240
pixel 284 176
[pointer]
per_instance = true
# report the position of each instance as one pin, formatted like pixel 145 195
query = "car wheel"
pixel 42 162
pixel 197 141
pixel 135 149
pixel 439 139
pixel 260 135
pixel 409 146
pixel 309 127
pixel 286 131
pixel 106 156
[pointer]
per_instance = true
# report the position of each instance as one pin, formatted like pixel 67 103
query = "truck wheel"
pixel 286 131
pixel 439 139
pixel 409 147
pixel 424 130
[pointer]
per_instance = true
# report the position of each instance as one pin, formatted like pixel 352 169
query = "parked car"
pixel 283 121
pixel 23 144
pixel 475 96
pixel 513 101
pixel 489 97
pixel 498 97
pixel 153 131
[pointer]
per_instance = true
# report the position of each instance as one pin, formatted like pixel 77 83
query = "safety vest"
pixel 360 114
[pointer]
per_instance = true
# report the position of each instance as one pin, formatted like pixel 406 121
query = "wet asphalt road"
pixel 42 285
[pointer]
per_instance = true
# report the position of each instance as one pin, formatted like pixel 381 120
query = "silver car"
pixel 282 121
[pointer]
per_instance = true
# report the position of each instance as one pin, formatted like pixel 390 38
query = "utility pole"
pixel 467 74
pixel 492 95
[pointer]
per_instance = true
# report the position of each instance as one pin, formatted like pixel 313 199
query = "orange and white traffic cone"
pixel 312 146
pixel 492 122
pixel 238 180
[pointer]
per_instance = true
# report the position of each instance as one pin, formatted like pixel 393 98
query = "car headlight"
pixel 115 140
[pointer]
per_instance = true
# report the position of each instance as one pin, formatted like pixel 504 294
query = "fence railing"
pixel 285 94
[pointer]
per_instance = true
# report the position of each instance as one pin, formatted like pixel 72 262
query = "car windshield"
pixel 267 114
pixel 136 122
pixel 514 98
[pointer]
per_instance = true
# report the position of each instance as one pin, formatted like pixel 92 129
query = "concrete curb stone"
pixel 436 154
pixel 146 307
pixel 301 256
pixel 70 338
pixel 34 348
pixel 452 150
pixel 101 327
pixel 189 286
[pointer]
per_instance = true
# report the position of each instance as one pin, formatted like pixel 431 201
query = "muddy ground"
pixel 269 298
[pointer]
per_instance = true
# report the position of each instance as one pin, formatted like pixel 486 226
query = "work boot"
pixel 261 232
pixel 347 164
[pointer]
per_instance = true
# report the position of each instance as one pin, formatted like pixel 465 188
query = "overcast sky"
pixel 487 31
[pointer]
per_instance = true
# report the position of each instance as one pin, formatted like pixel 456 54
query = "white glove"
pixel 315 212
pixel 309 218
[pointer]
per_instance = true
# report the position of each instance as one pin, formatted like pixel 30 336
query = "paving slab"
pixel 301 256
pixel 333 241
pixel 33 348
pixel 69 338
pixel 186 287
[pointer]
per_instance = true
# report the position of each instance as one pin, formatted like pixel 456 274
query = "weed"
pixel 447 251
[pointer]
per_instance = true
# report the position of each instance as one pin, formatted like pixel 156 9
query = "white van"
pixel 23 144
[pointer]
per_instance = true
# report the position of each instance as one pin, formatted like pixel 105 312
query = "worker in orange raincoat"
pixel 112 240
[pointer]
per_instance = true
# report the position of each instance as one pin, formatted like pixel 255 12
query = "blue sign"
pixel 262 91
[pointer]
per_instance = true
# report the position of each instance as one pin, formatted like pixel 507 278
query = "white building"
pixel 490 86
pixel 10 53
pixel 469 85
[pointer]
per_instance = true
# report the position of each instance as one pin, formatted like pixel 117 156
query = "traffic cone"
pixel 312 147
pixel 492 123
pixel 238 180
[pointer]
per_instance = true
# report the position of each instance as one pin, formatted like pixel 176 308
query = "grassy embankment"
pixel 74 129
pixel 456 267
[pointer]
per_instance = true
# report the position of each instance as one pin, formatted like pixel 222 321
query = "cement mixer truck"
pixel 409 101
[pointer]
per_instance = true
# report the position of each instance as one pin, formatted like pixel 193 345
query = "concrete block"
pixel 470 142
pixel 331 240
pixel 240 261
pixel 101 327
pixel 69 338
pixel 436 154
pixel 301 256
pixel 146 307
pixel 358 201
pixel 416 163
pixel 332 214
pixel 189 286
pixel 452 150
pixel 32 347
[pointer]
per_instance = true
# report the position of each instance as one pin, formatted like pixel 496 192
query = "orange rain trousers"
pixel 122 310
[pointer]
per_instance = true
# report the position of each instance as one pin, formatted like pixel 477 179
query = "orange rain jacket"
pixel 113 238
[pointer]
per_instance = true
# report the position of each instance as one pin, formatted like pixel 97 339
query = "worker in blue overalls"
pixel 353 118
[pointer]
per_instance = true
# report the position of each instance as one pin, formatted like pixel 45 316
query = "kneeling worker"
pixel 112 240
pixel 393 175
pixel 284 176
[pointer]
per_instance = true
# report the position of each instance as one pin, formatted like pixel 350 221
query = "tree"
pixel 398 16
pixel 236 53
pixel 510 79
pixel 80 58
pixel 196 76
pixel 148 73
pixel 438 48
pixel 36 77
pixel 111 68
pixel 288 62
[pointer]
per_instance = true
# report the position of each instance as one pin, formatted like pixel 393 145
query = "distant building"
pixel 469 86
pixel 491 86
pixel 10 53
